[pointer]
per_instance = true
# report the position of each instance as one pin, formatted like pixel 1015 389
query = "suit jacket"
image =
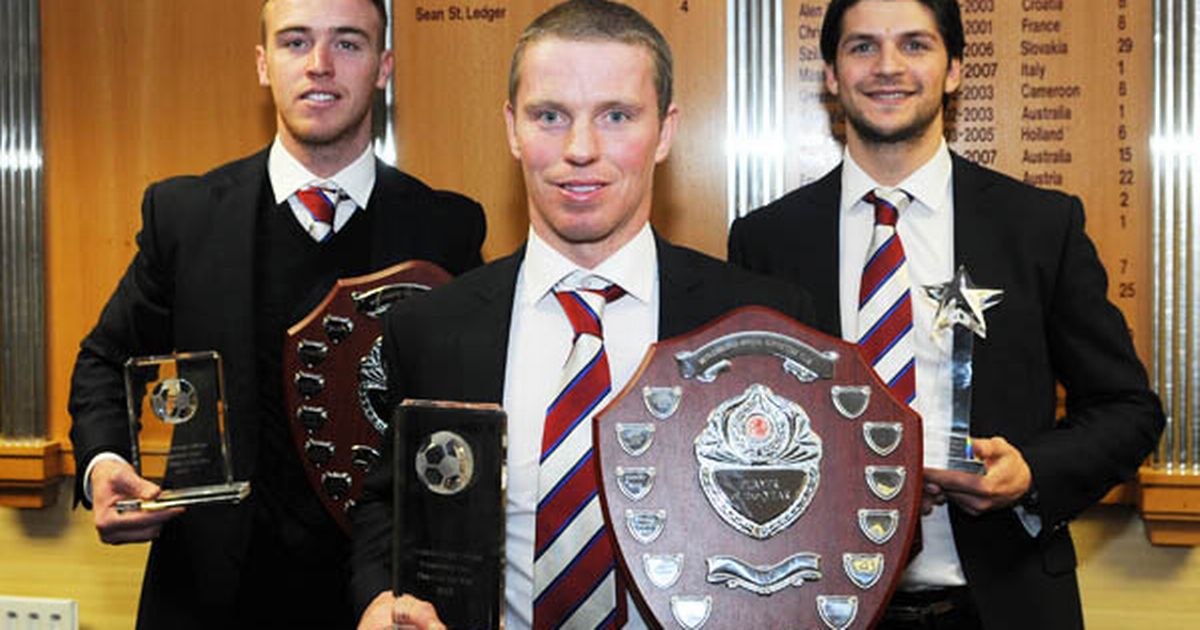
pixel 1054 324
pixel 452 344
pixel 190 287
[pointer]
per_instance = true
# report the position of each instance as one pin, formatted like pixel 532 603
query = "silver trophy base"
pixel 960 464
pixel 223 493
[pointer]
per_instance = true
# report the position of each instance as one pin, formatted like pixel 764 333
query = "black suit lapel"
pixel 390 241
pixel 820 249
pixel 974 215
pixel 483 345
pixel 677 281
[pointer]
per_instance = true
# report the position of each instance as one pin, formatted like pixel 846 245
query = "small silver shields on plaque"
pixel 662 402
pixel 864 569
pixel 690 611
pixel 837 611
pixel 878 525
pixel 883 437
pixel 445 463
pixel 635 437
pixel 850 401
pixel 885 482
pixel 174 400
pixel 645 525
pixel 759 461
pixel 663 569
pixel 794 570
pixel 635 482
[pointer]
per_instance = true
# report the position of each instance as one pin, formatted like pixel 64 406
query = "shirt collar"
pixel 288 175
pixel 634 267
pixel 929 185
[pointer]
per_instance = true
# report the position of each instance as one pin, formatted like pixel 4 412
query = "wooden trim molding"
pixel 29 473
pixel 1170 506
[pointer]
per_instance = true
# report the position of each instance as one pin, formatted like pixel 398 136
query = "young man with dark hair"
pixel 227 261
pixel 588 123
pixel 996 552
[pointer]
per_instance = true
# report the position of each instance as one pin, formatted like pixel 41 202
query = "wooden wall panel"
pixel 134 91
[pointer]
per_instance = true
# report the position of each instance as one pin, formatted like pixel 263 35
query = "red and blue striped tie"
pixel 575 573
pixel 321 203
pixel 885 315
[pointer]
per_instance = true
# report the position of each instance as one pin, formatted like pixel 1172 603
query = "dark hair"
pixel 945 12
pixel 380 8
pixel 582 20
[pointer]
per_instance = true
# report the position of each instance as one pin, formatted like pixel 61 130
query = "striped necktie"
pixel 575 573
pixel 885 315
pixel 321 202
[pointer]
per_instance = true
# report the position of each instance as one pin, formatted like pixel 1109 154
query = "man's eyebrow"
pixel 307 30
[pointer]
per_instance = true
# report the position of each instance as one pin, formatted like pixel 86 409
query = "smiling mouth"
pixel 319 97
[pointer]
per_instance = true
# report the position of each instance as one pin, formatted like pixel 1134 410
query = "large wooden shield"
pixel 758 474
pixel 334 383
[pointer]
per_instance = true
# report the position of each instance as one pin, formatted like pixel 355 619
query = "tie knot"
pixel 585 306
pixel 321 201
pixel 888 203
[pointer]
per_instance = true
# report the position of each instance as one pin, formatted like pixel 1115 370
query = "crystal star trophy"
pixel 960 307
pixel 448 528
pixel 176 409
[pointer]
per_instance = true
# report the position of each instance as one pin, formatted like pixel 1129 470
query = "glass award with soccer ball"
pixel 177 429
pixel 448 545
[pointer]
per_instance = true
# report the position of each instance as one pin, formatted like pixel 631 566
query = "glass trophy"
pixel 448 545
pixel 177 416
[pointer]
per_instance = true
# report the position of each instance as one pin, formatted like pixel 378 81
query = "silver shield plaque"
pixel 635 482
pixel 662 402
pixel 883 437
pixel 885 482
pixel 663 569
pixel 689 611
pixel 864 569
pixel 850 400
pixel 837 611
pixel 635 437
pixel 878 525
pixel 760 461
pixel 646 525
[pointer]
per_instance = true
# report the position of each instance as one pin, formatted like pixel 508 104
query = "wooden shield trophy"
pixel 758 474
pixel 334 380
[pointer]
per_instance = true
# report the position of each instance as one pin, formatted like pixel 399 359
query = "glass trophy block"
pixel 177 416
pixel 448 545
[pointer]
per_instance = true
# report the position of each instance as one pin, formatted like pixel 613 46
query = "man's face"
pixel 586 129
pixel 323 63
pixel 891 72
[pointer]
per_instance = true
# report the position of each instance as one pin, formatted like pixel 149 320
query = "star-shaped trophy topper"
pixel 961 302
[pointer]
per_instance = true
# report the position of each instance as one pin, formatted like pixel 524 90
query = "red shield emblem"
pixel 334 383
pixel 758 474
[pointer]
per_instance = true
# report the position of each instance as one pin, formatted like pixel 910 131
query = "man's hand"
pixel 406 612
pixel 1007 478
pixel 113 481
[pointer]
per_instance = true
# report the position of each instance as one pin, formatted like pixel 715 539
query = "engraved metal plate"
pixel 850 400
pixel 883 437
pixel 837 611
pixel 646 525
pixel 864 569
pixel 312 418
pixel 759 461
pixel 800 359
pixel 312 353
pixel 375 302
pixel 878 525
pixel 662 402
pixel 767 579
pixel 663 569
pixel 636 437
pixel 691 611
pixel 635 482
pixel 885 482
pixel 336 484
pixel 338 327
pixel 309 384
pixel 319 452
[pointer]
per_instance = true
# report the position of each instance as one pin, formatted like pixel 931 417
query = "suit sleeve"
pixel 1113 419
pixel 136 321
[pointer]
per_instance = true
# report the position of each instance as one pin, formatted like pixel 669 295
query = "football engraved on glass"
pixel 837 611
pixel 635 438
pixel 864 569
pixel 761 471
pixel 445 463
pixel 882 437
pixel 635 482
pixel 960 307
pixel 691 611
pixel 336 393
pixel 885 482
pixel 662 569
pixel 851 400
pixel 764 579
pixel 176 410
pixel 662 402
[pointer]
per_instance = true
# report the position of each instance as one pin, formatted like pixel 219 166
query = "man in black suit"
pixel 1000 554
pixel 228 261
pixel 589 115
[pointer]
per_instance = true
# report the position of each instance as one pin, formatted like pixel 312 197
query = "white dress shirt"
pixel 926 229
pixel 288 175
pixel 538 344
